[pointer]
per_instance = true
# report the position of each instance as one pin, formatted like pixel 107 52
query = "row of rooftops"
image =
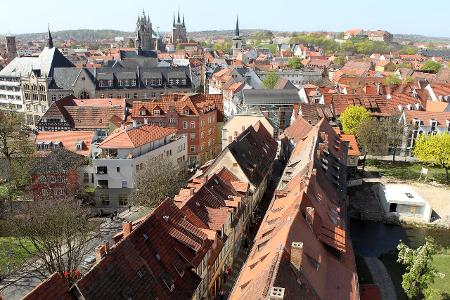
pixel 165 254
pixel 302 249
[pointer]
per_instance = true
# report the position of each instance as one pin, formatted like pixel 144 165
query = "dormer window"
pixel 143 112
pixel 433 124
pixel 186 111
pixel 79 145
pixel 156 112
pixel 133 82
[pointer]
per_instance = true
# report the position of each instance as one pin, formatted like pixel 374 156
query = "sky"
pixel 397 16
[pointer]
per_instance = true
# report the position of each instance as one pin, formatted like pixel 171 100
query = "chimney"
pixel 106 246
pixel 99 252
pixel 296 255
pixel 127 227
pixel 276 293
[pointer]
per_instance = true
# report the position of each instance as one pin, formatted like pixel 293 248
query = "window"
pixel 86 178
pixel 79 146
pixel 105 200
pixel 186 111
pixel 118 169
pixel 156 112
pixel 192 136
pixel 135 95
pixel 143 112
pixel 103 184
pixel 192 124
pixel 102 170
pixel 185 124
pixel 123 200
pixel 133 82
pixel 171 120
pixel 192 148
pixel 124 184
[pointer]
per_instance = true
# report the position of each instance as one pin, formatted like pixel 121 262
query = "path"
pixel 381 277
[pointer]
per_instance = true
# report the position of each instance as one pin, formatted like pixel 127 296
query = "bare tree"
pixel 373 138
pixel 394 130
pixel 58 232
pixel 156 180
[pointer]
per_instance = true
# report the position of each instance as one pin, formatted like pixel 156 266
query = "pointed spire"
pixel 183 20
pixel 174 20
pixel 178 20
pixel 50 39
pixel 236 31
pixel 148 18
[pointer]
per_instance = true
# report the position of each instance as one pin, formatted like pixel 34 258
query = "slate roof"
pixel 47 60
pixel 268 97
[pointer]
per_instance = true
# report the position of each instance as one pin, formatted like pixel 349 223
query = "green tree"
pixel 339 60
pixel 420 273
pixel 352 118
pixel 404 65
pixel 270 80
pixel 392 80
pixel 431 66
pixel 295 63
pixel 434 149
pixel 408 49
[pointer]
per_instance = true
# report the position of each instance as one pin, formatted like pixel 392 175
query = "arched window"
pixel 84 95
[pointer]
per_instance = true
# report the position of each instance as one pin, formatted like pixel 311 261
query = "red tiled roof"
pixel 68 139
pixel 427 116
pixel 142 265
pixel 133 137
pixel 298 129
pixel 54 287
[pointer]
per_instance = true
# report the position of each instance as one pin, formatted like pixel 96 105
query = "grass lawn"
pixel 12 254
pixel 442 283
pixel 406 170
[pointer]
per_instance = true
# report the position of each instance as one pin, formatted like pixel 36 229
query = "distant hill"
pixel 422 38
pixel 86 35
pixel 91 35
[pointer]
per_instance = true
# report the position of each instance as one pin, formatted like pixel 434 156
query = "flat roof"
pixel 402 194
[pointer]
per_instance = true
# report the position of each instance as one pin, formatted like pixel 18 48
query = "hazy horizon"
pixel 200 15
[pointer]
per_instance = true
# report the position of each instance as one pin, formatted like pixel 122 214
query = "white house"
pixel 401 200
pixel 125 152
pixel 422 122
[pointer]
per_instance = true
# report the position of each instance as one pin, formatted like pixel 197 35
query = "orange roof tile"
pixel 68 139
pixel 133 137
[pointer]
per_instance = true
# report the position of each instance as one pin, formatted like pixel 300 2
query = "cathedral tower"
pixel 144 33
pixel 237 40
pixel 178 31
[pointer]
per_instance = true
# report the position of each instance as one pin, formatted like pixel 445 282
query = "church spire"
pixel 183 21
pixel 50 39
pixel 173 20
pixel 236 31
pixel 178 20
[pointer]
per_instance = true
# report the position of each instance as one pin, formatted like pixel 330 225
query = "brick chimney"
pixel 99 252
pixel 127 227
pixel 106 246
pixel 296 255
